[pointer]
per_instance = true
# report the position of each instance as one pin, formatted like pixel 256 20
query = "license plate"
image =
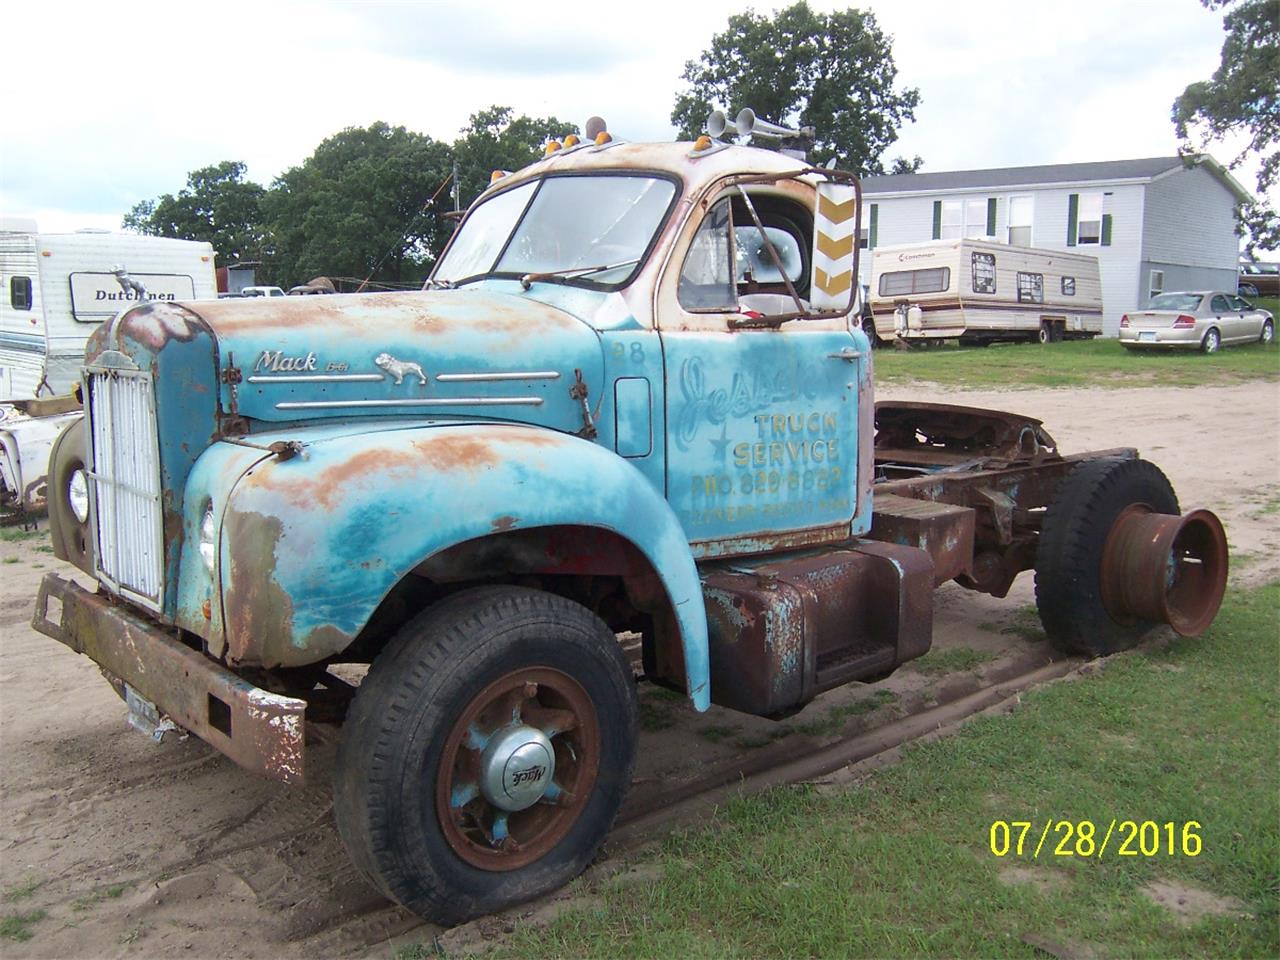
pixel 144 716
pixel 1147 337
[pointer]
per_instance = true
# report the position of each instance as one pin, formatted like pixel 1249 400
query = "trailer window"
pixel 20 293
pixel 1031 288
pixel 1068 286
pixel 984 272
pixel 933 280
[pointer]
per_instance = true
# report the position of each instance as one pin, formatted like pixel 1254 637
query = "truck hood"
pixel 456 353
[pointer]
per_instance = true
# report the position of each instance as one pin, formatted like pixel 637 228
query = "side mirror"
pixel 835 248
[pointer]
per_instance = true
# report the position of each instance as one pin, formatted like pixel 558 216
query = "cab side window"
pixel 707 277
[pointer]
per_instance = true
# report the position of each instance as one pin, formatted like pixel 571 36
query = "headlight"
pixel 208 535
pixel 78 495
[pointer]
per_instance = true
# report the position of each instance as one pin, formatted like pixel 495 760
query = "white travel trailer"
pixel 55 288
pixel 983 291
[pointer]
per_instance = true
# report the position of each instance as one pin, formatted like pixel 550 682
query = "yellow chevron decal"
pixel 835 249
pixel 833 286
pixel 835 212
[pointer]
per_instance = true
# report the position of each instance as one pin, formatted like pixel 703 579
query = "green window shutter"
pixel 1073 217
pixel 937 219
pixel 1106 229
pixel 991 216
pixel 873 224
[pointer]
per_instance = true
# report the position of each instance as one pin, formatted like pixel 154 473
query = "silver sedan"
pixel 1199 320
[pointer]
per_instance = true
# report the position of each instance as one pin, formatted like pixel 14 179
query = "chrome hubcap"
pixel 517 767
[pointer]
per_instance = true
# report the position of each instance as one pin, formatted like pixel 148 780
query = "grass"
pixel 20 891
pixel 17 534
pixel 901 866
pixel 951 661
pixel 1101 362
pixel 95 897
pixel 837 716
pixel 17 926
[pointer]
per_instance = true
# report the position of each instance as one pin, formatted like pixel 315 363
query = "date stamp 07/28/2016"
pixel 1085 838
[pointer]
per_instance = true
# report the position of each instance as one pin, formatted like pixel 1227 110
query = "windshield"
pixel 560 225
pixel 1175 301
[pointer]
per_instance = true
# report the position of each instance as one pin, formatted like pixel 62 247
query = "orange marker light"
pixel 552 147
pixel 571 141
pixel 602 138
pixel 497 175
pixel 702 143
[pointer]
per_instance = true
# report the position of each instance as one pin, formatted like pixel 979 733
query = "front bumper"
pixel 259 730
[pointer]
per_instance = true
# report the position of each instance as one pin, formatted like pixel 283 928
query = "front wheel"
pixel 1045 333
pixel 1212 341
pixel 487 753
pixel 1268 333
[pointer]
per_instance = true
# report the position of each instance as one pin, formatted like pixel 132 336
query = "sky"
pixel 122 100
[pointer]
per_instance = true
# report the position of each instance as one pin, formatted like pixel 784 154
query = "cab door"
pixel 762 416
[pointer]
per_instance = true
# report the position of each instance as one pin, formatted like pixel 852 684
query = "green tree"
pixel 366 204
pixel 1242 97
pixel 217 205
pixel 831 71
pixel 494 139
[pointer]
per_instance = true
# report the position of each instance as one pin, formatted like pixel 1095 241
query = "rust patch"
pixel 504 523
pixel 456 452
pixel 257 610
pixel 156 323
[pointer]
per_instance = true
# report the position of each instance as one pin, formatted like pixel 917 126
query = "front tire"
pixel 1212 341
pixel 1045 333
pixel 487 753
pixel 1072 541
pixel 1268 333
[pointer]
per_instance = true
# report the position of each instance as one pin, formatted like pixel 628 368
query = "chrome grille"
pixel 125 481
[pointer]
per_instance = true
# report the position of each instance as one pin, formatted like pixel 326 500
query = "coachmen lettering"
pixel 472 489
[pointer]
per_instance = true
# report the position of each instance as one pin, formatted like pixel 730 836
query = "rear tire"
pixel 1069 555
pixel 1045 334
pixel 417 795
pixel 1212 341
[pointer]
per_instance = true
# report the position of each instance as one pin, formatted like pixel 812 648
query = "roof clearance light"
pixel 551 147
pixel 602 138
pixel 702 143
pixel 498 175
pixel 571 141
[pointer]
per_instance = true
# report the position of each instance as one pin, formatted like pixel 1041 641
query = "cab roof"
pixel 694 170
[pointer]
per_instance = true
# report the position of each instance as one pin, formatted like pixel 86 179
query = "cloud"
pixel 127 98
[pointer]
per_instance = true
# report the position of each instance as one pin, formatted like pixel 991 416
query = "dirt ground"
pixel 119 846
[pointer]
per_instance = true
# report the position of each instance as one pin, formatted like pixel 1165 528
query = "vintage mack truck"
pixel 633 397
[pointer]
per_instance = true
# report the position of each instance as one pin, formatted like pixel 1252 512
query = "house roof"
pixel 1104 171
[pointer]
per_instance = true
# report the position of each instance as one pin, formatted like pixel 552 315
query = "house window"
pixel 984 272
pixel 1068 286
pixel 900 282
pixel 20 293
pixel 1156 286
pixel 1021 210
pixel 1089 224
pixel 964 218
pixel 1030 287
pixel 867 232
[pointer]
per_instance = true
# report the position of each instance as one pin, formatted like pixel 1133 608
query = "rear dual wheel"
pixel 487 753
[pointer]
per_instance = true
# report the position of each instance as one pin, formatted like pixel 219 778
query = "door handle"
pixel 848 355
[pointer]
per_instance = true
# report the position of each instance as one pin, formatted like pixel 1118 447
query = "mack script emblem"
pixel 277 361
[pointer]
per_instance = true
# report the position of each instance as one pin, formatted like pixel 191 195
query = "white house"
pixel 1166 223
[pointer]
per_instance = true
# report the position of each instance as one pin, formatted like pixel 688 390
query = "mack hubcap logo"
pixel 532 774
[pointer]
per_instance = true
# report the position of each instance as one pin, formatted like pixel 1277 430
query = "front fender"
pixel 312 544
